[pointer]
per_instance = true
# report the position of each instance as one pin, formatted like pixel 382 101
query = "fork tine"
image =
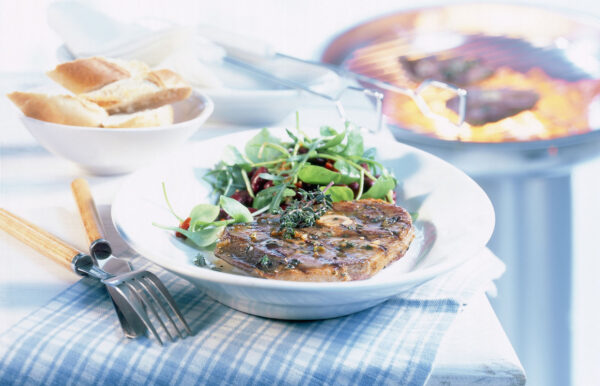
pixel 140 293
pixel 148 286
pixel 139 312
pixel 170 301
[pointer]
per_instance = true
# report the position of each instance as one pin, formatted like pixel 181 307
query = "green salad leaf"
pixel 380 189
pixel 231 156
pixel 349 173
pixel 225 179
pixel 274 173
pixel 237 211
pixel 337 139
pixel 264 197
pixel 203 237
pixel 263 147
pixel 313 174
pixel 203 214
pixel 340 193
pixel 354 146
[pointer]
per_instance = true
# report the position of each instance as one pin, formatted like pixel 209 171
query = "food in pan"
pixel 491 105
pixel 307 209
pixel 483 105
pixel 107 93
pixel 458 71
pixel 560 109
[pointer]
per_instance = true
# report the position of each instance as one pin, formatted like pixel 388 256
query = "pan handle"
pixel 42 241
pixel 99 246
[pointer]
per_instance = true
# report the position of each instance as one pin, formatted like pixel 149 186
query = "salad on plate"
pixel 301 208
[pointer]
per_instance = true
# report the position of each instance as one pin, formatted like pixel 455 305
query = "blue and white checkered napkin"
pixel 76 339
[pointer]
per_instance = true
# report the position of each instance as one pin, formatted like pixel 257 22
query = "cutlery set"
pixel 140 299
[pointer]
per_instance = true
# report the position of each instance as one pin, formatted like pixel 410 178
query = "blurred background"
pixel 547 221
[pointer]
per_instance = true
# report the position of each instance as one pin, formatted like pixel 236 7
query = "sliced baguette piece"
pixel 129 95
pixel 63 109
pixel 89 74
pixel 161 116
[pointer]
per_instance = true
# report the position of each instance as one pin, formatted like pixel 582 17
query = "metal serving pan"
pixel 564 45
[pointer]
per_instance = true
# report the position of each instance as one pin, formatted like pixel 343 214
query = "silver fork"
pixel 147 289
pixel 151 294
pixel 139 290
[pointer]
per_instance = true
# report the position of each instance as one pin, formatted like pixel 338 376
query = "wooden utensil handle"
pixel 99 247
pixel 37 238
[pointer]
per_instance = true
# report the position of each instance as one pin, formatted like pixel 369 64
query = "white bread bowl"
pixel 109 151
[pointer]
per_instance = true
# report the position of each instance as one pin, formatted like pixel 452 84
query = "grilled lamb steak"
pixel 457 71
pixel 492 105
pixel 353 241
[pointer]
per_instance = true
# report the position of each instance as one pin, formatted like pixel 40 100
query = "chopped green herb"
pixel 304 212
pixel 266 264
pixel 345 245
pixel 200 260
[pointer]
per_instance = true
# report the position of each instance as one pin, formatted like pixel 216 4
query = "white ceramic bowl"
pixel 116 151
pixel 248 100
pixel 253 108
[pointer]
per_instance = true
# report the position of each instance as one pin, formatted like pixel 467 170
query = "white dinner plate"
pixel 455 221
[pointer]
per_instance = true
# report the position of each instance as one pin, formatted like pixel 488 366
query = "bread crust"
pixel 107 86
pixel 88 74
pixel 62 109
pixel 130 95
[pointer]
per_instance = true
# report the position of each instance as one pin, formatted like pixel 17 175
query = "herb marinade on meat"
pixel 353 241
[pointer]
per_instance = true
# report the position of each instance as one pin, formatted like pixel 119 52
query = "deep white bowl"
pixel 253 108
pixel 249 100
pixel 115 151
pixel 455 221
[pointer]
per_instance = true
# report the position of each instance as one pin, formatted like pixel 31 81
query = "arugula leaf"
pixel 313 174
pixel 271 177
pixel 203 237
pixel 333 142
pixel 381 187
pixel 327 131
pixel 202 214
pixel 340 193
pixel 349 173
pixel 291 135
pixel 354 145
pixel 282 192
pixel 264 197
pixel 255 145
pixel 237 211
pixel 232 156
pixel 225 179
pixel 370 153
